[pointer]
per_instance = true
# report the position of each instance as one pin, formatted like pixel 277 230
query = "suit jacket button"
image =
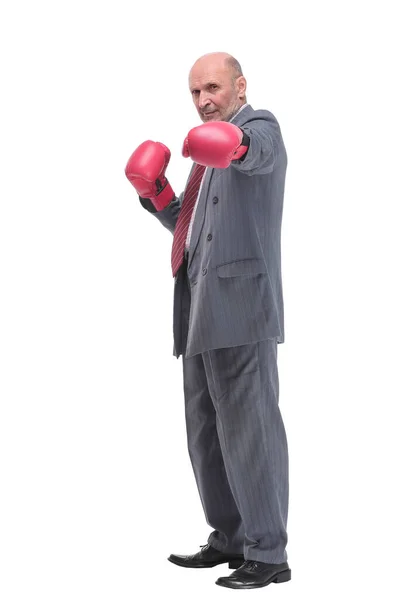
pixel 204 271
pixel 215 199
pixel 209 237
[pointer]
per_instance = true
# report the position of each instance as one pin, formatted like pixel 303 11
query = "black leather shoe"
pixel 207 557
pixel 255 574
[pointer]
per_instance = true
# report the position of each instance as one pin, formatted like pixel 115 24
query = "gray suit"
pixel 228 319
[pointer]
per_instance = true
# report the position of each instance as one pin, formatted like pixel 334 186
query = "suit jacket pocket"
pixel 241 268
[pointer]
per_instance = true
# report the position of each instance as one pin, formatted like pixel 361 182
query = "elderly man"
pixel 228 318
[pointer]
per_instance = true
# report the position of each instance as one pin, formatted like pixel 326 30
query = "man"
pixel 228 318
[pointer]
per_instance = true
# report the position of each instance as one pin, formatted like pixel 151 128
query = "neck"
pixel 235 111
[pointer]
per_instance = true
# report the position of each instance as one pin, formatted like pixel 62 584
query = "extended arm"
pixel 251 149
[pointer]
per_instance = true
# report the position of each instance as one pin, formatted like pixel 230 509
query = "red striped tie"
pixel 182 224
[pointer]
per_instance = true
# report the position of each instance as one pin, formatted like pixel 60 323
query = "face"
pixel 215 94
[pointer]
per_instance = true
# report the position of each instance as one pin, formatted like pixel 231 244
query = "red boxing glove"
pixel 215 144
pixel 146 172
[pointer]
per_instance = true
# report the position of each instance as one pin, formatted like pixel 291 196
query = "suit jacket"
pixel 234 261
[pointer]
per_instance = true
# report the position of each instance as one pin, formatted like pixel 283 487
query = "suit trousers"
pixel 237 443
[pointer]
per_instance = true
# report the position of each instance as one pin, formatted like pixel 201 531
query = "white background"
pixel 96 484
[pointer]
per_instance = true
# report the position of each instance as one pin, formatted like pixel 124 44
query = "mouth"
pixel 209 114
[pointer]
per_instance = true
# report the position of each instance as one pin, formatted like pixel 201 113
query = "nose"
pixel 203 100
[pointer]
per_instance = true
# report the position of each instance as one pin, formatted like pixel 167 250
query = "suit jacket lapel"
pixel 200 213
pixel 198 221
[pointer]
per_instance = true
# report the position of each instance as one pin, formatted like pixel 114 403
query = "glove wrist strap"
pixel 241 151
pixel 164 196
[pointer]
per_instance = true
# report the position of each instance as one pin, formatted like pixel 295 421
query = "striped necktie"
pixel 182 224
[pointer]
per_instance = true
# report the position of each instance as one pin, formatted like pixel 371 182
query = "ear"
pixel 241 84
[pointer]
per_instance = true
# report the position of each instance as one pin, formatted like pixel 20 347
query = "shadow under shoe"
pixel 207 557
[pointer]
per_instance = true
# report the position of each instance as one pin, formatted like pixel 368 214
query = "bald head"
pixel 219 60
pixel 217 86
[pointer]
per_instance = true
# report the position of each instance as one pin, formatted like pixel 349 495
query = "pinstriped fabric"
pixel 237 444
pixel 243 383
pixel 182 225
pixel 228 319
pixel 234 268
